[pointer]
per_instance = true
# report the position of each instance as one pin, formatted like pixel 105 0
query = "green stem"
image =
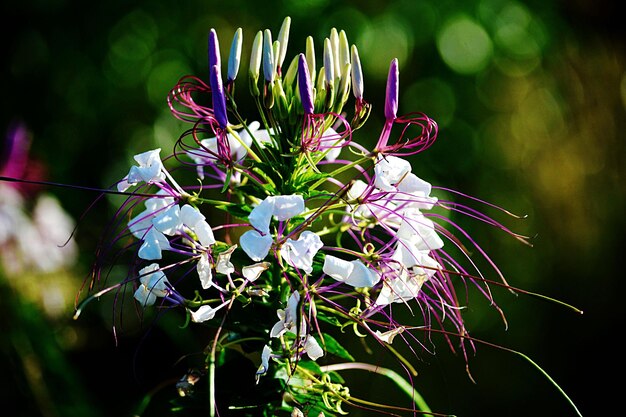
pixel 402 383
pixel 341 169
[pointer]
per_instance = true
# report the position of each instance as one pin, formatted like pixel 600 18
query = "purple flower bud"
pixel 214 50
pixel 304 82
pixel 391 100
pixel 219 100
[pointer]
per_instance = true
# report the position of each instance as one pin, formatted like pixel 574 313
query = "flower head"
pixel 268 213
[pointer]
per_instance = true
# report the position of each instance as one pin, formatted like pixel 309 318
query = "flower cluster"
pixel 281 230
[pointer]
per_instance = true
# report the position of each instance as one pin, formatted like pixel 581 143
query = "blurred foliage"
pixel 530 98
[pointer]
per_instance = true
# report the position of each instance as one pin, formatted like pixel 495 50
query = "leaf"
pixel 331 345
pixel 322 316
pixel 241 211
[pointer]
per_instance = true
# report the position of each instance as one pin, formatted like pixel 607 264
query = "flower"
pixel 299 253
pixel 154 284
pixel 321 236
pixel 149 170
pixel 354 273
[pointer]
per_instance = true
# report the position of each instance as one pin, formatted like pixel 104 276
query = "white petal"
pixel 337 268
pixel 168 221
pixel 256 246
pixel 287 206
pixel 154 242
pixel 144 296
pixel 357 190
pixel 299 253
pixel 265 360
pixel 388 336
pixel 154 279
pixel 204 271
pixel 123 185
pixel 313 348
pixel 204 233
pixel 190 216
pixel 253 272
pixel 224 266
pixel 420 231
pixel 411 183
pixel 149 169
pixel 261 215
pixel 390 170
pixel 278 329
pixel 204 313
pixel 362 276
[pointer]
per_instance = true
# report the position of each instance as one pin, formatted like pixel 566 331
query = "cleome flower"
pixel 289 216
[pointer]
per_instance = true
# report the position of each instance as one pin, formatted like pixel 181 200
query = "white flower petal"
pixel 253 272
pixel 144 296
pixel 153 243
pixel 261 215
pixel 287 206
pixel 204 313
pixel 299 253
pixel 204 233
pixel 168 221
pixel 390 170
pixel 154 278
pixel 224 266
pixel 255 245
pixel 150 168
pixel 265 361
pixel 357 190
pixel 420 231
pixel 313 348
pixel 388 336
pixel 190 216
pixel 337 268
pixel 204 271
pixel 362 276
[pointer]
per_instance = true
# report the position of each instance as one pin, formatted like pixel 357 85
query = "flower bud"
pixel 283 38
pixel 334 43
pixel 255 63
pixel 214 50
pixel 310 57
pixel 304 83
pixel 268 57
pixel 391 95
pixel 344 49
pixel 329 62
pixel 234 59
pixel 357 74
pixel 219 100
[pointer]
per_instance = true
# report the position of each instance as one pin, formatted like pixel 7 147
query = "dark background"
pixel 535 126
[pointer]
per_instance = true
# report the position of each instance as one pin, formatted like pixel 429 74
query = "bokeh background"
pixel 530 97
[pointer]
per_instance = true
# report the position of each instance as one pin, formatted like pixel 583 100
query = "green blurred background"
pixel 530 97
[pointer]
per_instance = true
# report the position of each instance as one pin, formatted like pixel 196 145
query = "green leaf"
pixel 310 366
pixel 331 345
pixel 241 211
pixel 322 316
